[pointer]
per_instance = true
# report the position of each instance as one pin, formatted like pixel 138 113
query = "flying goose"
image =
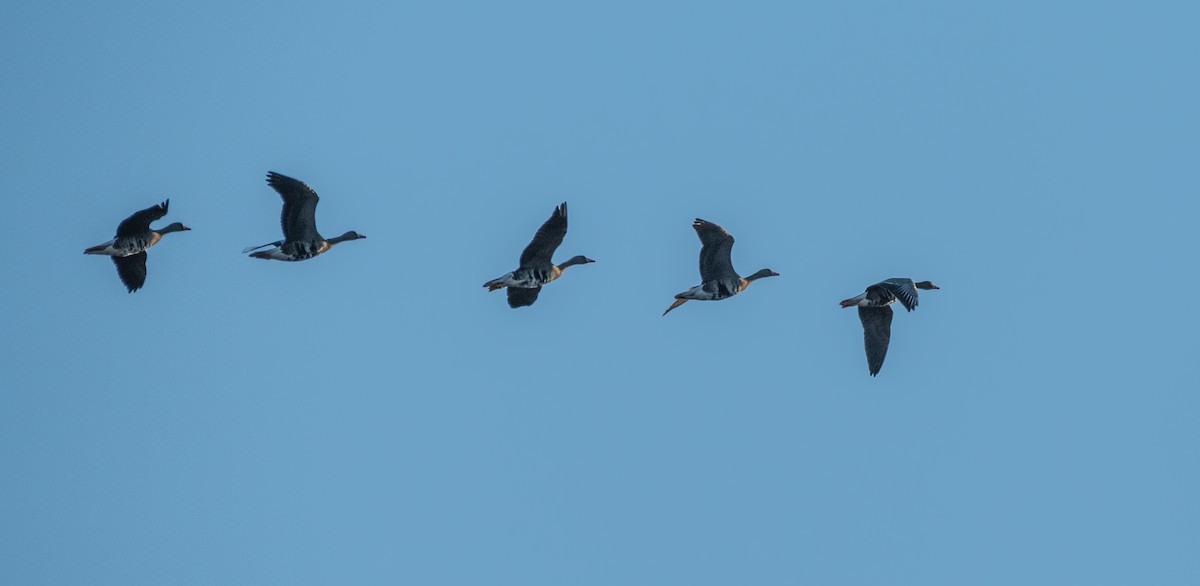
pixel 301 241
pixel 536 268
pixel 134 236
pixel 719 280
pixel 876 314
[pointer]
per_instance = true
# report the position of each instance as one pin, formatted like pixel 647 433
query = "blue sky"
pixel 374 416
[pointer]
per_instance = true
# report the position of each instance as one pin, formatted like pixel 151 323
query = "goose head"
pixel 351 235
pixel 761 274
pixel 575 260
pixel 926 285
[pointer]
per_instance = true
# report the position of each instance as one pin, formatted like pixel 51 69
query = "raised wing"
pixel 299 218
pixel 903 289
pixel 139 223
pixel 877 333
pixel 132 270
pixel 715 263
pixel 547 240
pixel 518 297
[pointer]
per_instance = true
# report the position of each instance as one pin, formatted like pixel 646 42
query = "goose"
pixel 720 281
pixel 875 313
pixel 301 241
pixel 134 237
pixel 536 268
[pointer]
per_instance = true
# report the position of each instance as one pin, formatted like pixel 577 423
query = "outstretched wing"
pixel 299 218
pixel 518 297
pixel 132 270
pixel 547 240
pixel 139 223
pixel 715 263
pixel 877 332
pixel 903 289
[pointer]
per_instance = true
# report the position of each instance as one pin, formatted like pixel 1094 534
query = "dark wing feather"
pixel 547 240
pixel 518 297
pixel 299 218
pixel 715 263
pixel 903 289
pixel 132 270
pixel 139 223
pixel 877 332
pixel 879 295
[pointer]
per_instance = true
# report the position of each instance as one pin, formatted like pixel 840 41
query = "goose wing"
pixel 518 297
pixel 132 270
pixel 903 289
pixel 877 332
pixel 715 264
pixel 139 223
pixel 547 240
pixel 299 218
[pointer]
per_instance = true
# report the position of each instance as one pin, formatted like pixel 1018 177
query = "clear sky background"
pixel 374 416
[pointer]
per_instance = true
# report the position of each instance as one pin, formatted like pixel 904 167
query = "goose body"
pixel 720 280
pixel 301 240
pixel 126 246
pixel 134 237
pixel 536 268
pixel 526 278
pixel 875 313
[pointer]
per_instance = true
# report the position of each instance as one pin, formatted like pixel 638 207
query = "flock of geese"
pixel 302 241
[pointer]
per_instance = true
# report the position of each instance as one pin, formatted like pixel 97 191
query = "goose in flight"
pixel 719 280
pixel 875 313
pixel 134 237
pixel 301 241
pixel 536 268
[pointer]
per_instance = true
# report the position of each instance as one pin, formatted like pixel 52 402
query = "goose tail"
pixel 253 248
pixel 678 302
pixel 497 283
